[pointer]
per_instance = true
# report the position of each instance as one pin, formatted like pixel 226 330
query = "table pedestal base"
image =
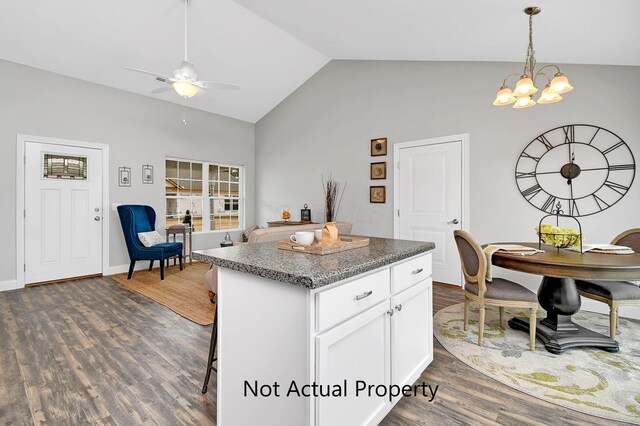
pixel 557 341
pixel 560 298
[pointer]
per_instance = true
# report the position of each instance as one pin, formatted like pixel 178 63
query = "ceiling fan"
pixel 185 80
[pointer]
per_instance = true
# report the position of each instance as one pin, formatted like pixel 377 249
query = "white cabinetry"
pixel 391 343
pixel 375 327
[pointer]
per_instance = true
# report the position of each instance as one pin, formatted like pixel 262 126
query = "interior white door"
pixel 358 349
pixel 63 212
pixel 430 202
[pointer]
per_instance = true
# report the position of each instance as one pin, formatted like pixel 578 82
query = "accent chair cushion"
pixel 501 289
pixel 151 238
pixel 614 290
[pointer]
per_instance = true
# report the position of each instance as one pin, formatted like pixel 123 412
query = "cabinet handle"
pixel 399 307
pixel 417 271
pixel 363 295
pixel 390 312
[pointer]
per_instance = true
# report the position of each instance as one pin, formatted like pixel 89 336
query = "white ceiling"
pixel 271 47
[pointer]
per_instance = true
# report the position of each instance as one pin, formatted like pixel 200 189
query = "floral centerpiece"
pixel 286 215
pixel 558 237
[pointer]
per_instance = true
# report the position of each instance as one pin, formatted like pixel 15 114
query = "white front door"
pixel 63 212
pixel 430 202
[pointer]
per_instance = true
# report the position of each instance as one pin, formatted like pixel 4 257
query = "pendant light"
pixel 522 95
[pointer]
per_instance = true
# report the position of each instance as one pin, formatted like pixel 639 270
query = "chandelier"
pixel 522 95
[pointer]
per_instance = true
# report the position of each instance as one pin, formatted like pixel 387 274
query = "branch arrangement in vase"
pixel 333 192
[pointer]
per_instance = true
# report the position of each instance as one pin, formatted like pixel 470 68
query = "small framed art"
pixel 378 170
pixel 147 174
pixel 124 176
pixel 378 147
pixel 377 194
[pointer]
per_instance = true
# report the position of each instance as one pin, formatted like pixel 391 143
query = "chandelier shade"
pixel 522 95
pixel 504 97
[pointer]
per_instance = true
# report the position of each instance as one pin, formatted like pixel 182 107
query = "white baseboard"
pixel 8 285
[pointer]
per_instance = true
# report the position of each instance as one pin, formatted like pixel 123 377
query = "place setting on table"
pixel 571 268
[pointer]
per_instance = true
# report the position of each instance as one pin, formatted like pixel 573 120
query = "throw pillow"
pixel 151 238
pixel 247 232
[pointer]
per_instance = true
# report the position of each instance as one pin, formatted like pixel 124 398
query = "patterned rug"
pixel 181 291
pixel 592 381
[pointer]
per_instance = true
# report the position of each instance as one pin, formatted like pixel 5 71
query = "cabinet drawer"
pixel 347 300
pixel 410 272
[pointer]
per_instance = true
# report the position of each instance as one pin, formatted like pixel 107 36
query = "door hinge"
pixel 24 213
pixel 24 267
pixel 398 165
pixel 25 159
pixel 398 212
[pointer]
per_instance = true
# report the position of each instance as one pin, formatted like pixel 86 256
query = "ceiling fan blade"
pixel 162 89
pixel 218 85
pixel 148 72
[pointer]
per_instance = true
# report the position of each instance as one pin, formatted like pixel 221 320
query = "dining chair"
pixel 614 293
pixel 499 292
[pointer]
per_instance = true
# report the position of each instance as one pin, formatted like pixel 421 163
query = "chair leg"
pixel 481 327
pixel 532 329
pixel 613 320
pixel 501 310
pixel 466 312
pixel 151 265
pixel 161 269
pixel 180 260
pixel 212 351
pixel 131 266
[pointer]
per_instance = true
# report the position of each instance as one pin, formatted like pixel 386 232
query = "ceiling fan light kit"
pixel 185 80
pixel 522 95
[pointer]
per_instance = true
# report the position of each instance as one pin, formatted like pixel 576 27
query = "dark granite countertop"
pixel 310 270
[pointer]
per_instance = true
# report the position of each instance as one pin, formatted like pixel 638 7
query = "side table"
pixel 187 241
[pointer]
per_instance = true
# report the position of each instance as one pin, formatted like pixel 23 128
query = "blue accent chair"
pixel 135 219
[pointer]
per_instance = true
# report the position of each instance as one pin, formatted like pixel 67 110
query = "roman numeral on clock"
pixel 523 175
pixel 620 189
pixel 599 201
pixel 569 134
pixel 614 147
pixel 573 208
pixel 536 159
pixel 548 205
pixel 543 140
pixel 616 167
pixel 529 193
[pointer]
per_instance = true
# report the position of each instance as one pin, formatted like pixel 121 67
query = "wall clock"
pixel 586 168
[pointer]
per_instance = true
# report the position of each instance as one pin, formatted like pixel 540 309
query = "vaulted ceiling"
pixel 271 47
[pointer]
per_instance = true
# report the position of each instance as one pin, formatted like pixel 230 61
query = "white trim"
pixel 8 285
pixel 464 139
pixel 20 201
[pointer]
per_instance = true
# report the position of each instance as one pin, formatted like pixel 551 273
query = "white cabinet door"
pixel 358 349
pixel 411 333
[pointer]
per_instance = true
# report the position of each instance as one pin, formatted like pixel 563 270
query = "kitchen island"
pixel 320 340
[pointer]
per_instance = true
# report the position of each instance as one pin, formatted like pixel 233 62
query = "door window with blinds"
pixel 207 195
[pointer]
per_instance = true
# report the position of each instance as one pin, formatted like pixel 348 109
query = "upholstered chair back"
pixel 135 219
pixel 630 238
pixel 472 259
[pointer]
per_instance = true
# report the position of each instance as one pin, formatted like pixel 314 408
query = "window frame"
pixel 206 198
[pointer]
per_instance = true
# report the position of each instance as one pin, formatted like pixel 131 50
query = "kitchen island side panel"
pixel 263 337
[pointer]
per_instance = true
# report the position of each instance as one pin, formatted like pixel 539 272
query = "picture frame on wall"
pixel 147 174
pixel 378 170
pixel 124 176
pixel 378 194
pixel 378 147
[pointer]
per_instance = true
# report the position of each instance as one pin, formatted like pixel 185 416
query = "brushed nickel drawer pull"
pixel 399 307
pixel 417 271
pixel 363 295
pixel 390 312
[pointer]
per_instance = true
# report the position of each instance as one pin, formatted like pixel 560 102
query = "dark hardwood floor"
pixel 93 352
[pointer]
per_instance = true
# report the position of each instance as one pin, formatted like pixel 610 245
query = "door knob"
pixel 453 222
pixel 97 218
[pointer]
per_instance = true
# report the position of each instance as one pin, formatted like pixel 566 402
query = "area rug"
pixel 588 380
pixel 181 291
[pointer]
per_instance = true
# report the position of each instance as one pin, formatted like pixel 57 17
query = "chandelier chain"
pixel 530 61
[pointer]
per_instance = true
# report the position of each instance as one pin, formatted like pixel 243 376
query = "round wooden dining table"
pixel 558 293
